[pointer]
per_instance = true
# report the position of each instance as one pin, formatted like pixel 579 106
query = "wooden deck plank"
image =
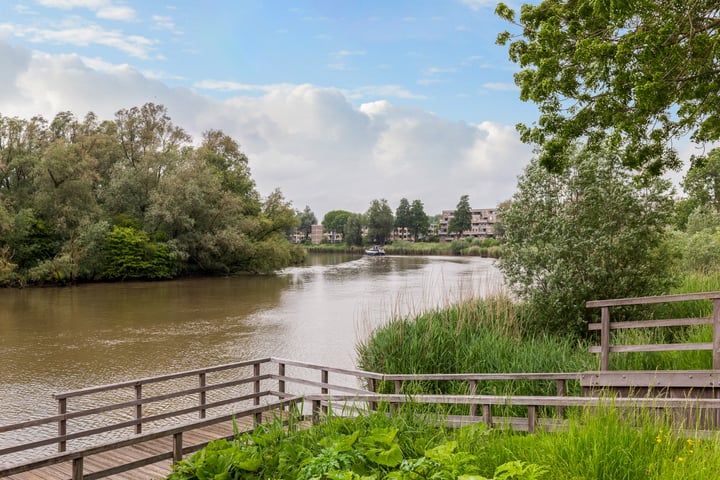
pixel 125 455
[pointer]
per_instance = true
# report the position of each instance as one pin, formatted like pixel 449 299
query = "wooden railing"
pixel 108 417
pixel 254 387
pixel 606 326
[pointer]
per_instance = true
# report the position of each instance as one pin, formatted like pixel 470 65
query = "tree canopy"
pixel 629 75
pixel 402 214
pixel 307 219
pixel 335 220
pixel 419 221
pixel 83 199
pixel 461 220
pixel 380 221
pixel 588 233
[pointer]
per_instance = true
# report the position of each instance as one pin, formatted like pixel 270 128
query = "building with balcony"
pixel 482 224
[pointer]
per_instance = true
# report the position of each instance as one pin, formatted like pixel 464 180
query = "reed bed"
pixel 476 336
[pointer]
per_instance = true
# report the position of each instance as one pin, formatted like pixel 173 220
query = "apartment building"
pixel 482 224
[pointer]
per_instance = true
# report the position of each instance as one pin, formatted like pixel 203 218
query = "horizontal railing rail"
pixel 531 402
pixel 606 326
pixel 278 383
pixel 178 449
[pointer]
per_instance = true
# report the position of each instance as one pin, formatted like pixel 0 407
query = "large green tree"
pixel 419 221
pixel 353 230
pixel 306 220
pixel 588 233
pixel 335 220
pixel 632 75
pixel 702 180
pixel 402 214
pixel 380 221
pixel 461 221
pixel 83 199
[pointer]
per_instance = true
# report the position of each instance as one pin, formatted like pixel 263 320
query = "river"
pixel 59 339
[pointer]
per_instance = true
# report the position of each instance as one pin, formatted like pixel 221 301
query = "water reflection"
pixel 58 339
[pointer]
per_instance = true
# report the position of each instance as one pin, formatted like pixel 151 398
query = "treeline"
pixel 131 198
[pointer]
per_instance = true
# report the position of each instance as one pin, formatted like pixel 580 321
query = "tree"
pixel 702 180
pixel 353 230
pixel 419 221
pixel 461 220
pixel 307 220
pixel 629 75
pixel 131 198
pixel 335 220
pixel 402 214
pixel 380 221
pixel 587 233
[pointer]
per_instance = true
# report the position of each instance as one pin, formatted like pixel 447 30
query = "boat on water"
pixel 375 251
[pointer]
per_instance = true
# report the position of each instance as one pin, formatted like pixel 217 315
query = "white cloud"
pixel 105 9
pixel 84 35
pixel 478 4
pixel 348 53
pixel 432 71
pixel 503 87
pixel 114 12
pixel 391 91
pixel 228 86
pixel 312 142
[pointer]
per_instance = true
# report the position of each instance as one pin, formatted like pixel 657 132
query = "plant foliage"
pixel 631 75
pixel 588 233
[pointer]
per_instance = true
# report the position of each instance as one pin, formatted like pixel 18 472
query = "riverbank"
pixel 488 248
pixel 495 334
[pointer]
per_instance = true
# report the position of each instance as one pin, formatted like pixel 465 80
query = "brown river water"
pixel 60 339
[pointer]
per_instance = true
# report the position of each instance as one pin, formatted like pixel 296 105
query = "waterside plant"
pixel 605 443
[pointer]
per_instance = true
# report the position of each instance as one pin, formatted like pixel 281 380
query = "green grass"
pixel 605 443
pixel 470 247
pixel 477 336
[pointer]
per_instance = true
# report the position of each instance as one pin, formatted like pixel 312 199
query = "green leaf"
pixel 389 457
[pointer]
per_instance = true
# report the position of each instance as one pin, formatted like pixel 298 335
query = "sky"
pixel 336 103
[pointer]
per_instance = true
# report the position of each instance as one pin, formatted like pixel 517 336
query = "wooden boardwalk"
pixel 194 440
pixel 255 391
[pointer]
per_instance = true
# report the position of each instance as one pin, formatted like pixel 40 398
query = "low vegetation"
pixel 491 248
pixel 606 443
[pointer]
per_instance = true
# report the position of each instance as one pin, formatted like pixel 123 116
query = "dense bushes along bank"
pixel 490 248
pixel 133 198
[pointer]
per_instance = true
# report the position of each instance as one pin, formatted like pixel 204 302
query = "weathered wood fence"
pixel 606 326
pixel 99 420
pixel 269 386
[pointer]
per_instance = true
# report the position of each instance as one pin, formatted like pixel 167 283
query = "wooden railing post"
pixel 532 418
pixel 324 377
pixel 605 338
pixel 373 388
pixel 138 409
pixel 716 334
pixel 256 390
pixel 281 372
pixel 77 468
pixel 473 391
pixel 315 412
pixel 561 392
pixel 177 447
pixel 203 393
pixel 487 415
pixel 62 424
